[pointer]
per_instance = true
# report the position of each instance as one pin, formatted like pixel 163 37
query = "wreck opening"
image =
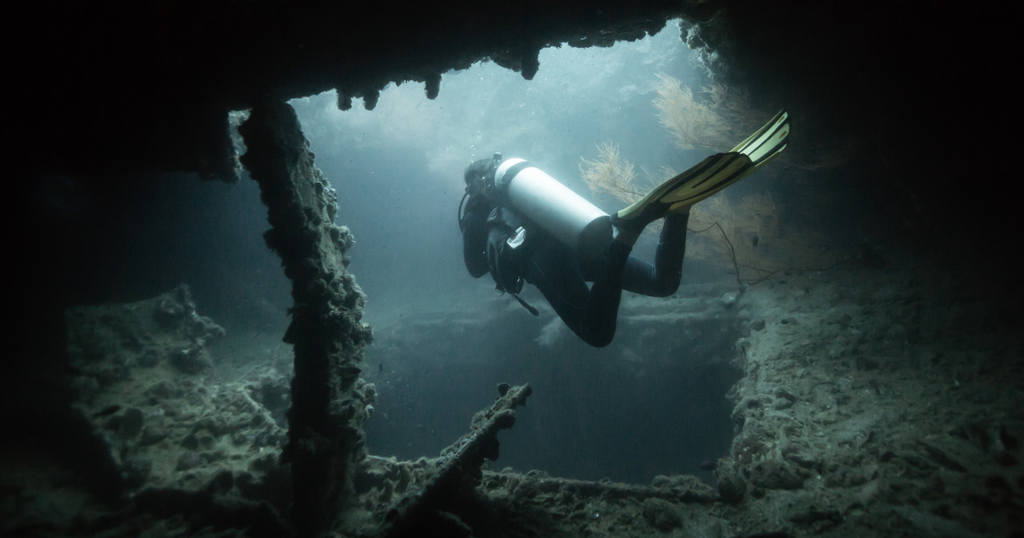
pixel 653 403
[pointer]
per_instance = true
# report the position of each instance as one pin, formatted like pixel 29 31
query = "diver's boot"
pixel 708 177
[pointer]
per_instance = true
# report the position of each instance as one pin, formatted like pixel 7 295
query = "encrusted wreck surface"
pixel 872 402
pixel 329 399
pixel 434 508
pixel 451 495
pixel 877 402
pixel 200 455
pixel 172 434
pixel 515 504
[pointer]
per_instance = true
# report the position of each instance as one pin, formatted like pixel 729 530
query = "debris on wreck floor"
pixel 174 447
pixel 876 403
pixel 434 506
pixel 197 453
pixel 451 495
pixel 514 504
pixel 871 402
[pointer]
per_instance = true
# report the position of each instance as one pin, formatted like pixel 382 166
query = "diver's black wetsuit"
pixel 591 312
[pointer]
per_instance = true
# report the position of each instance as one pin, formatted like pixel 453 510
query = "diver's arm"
pixel 474 235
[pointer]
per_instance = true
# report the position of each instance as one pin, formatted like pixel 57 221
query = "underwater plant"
pixel 715 122
pixel 745 233
pixel 611 174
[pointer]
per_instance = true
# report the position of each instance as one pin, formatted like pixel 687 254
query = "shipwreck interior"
pixel 159 162
pixel 670 398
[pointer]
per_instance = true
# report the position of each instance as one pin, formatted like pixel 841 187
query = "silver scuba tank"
pixel 567 216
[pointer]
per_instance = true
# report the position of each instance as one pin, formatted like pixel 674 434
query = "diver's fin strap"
pixel 712 174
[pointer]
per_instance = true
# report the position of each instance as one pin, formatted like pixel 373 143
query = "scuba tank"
pixel 523 195
pixel 570 218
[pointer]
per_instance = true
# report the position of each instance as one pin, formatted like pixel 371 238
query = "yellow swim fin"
pixel 710 175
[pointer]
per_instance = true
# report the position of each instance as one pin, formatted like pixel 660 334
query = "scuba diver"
pixel 522 225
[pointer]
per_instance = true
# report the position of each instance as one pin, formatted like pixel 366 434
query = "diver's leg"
pixel 562 286
pixel 661 279
pixel 590 313
pixel 602 311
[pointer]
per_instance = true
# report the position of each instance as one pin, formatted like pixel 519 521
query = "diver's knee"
pixel 666 286
pixel 601 339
